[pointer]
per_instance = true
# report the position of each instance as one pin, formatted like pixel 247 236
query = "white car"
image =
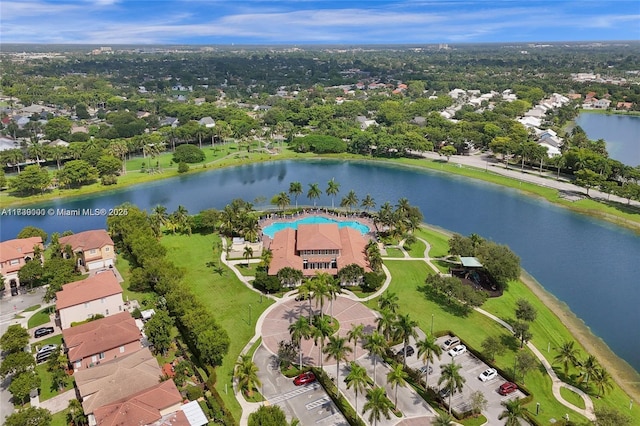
pixel 488 374
pixel 458 350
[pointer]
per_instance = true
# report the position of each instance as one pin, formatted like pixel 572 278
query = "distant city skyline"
pixel 268 22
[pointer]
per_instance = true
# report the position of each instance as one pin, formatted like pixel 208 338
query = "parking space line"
pixel 293 393
pixel 317 403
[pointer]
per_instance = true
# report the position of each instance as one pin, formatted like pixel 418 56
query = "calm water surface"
pixel 620 132
pixel 592 266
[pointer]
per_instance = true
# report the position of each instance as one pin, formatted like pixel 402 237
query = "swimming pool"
pixel 271 230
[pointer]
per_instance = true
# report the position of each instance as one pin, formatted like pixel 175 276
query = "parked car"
pixel 410 351
pixel 458 350
pixel 304 378
pixel 444 392
pixel 43 331
pixel 47 348
pixel 507 387
pixel 450 343
pixel 423 369
pixel 488 374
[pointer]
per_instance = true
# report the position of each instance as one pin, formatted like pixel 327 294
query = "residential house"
pixel 207 122
pixel 364 122
pixel 624 105
pixel 110 382
pixel 93 249
pixel 14 254
pixel 317 247
pixel 80 300
pixel 102 340
pixel 7 143
pixel 601 103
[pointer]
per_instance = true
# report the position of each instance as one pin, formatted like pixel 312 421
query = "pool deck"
pixel 319 212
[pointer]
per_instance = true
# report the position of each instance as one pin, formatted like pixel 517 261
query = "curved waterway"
pixel 592 266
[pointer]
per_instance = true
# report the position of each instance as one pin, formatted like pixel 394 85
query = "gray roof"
pixel 470 262
pixel 7 143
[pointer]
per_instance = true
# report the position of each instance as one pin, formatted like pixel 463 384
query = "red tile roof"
pixel 96 287
pixel 142 408
pixel 100 335
pixel 87 240
pixel 318 236
pixel 18 248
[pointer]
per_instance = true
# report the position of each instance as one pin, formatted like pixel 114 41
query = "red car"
pixel 304 378
pixel 507 387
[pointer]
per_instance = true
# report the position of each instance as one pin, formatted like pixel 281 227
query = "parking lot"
pixel 472 367
pixel 308 403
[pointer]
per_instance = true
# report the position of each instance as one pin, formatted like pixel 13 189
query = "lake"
pixel 591 265
pixel 620 132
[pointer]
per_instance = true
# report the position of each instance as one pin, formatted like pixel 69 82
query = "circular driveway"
pixel 275 326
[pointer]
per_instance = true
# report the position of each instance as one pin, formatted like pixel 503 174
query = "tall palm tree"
pixel 320 331
pixel 368 203
pixel 295 189
pixel 356 333
pixel 377 346
pixel 443 419
pixel 314 192
pixel 357 379
pixel 306 291
pixel 350 200
pixel 450 376
pixel 378 404
pixel 248 253
pixel 333 188
pixel 602 380
pixel 388 300
pixel 301 329
pixel 119 148
pixel 589 367
pixel 405 328
pixel 281 200
pixel 333 290
pixel 337 349
pixel 386 321
pixel 246 373
pixel 320 284
pixel 158 218
pixel 397 377
pixel 567 355
pixel 181 218
pixel 514 411
pixel 427 348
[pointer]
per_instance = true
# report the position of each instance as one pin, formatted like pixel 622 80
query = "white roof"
pixel 194 414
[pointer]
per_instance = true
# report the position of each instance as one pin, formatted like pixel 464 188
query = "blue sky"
pixel 315 22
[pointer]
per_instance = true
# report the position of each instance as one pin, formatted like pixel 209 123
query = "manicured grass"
pixel 46 384
pixel 416 249
pixel 393 252
pixel 59 419
pixel 474 421
pixel 248 270
pixel 32 308
pixel 572 397
pixel 439 243
pixel 225 296
pixel 41 317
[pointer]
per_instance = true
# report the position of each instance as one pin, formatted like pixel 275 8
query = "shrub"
pixel 194 392
pixel 372 281
pixel 183 167
pixel 107 180
pixel 136 313
pixel 266 283
pixel 188 154
pixel 320 144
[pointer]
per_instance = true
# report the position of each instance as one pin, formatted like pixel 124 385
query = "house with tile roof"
pixel 93 249
pixel 317 248
pixel 110 382
pixel 14 254
pixel 80 300
pixel 102 340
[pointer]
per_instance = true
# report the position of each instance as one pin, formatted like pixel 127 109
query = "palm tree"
pixel 306 290
pixel 427 348
pixel 333 188
pixel 388 300
pixel 589 367
pixel 405 328
pixel 377 346
pixel 514 411
pixel 356 333
pixel 320 284
pixel 567 354
pixel 350 200
pixel 76 413
pixel 246 373
pixel 386 321
pixel 301 329
pixel 248 253
pixel 378 404
pixel 321 329
pixel 397 377
pixel 452 379
pixel 337 349
pixel 357 379
pixel 443 419
pixel 158 219
pixel 119 148
pixel 602 381
pixel 368 203
pixel 295 189
pixel 181 219
pixel 333 290
pixel 281 200
pixel 314 192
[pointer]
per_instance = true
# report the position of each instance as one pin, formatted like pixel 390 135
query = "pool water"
pixel 271 230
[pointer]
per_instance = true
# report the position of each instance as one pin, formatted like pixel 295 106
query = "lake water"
pixel 620 132
pixel 592 266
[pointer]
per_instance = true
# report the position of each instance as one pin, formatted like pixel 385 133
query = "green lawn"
pixel 47 390
pixel 59 419
pixel 416 249
pixel 53 340
pixel 394 252
pixel 572 397
pixel 248 270
pixel 229 300
pixel 439 242
pixel 32 308
pixel 40 317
